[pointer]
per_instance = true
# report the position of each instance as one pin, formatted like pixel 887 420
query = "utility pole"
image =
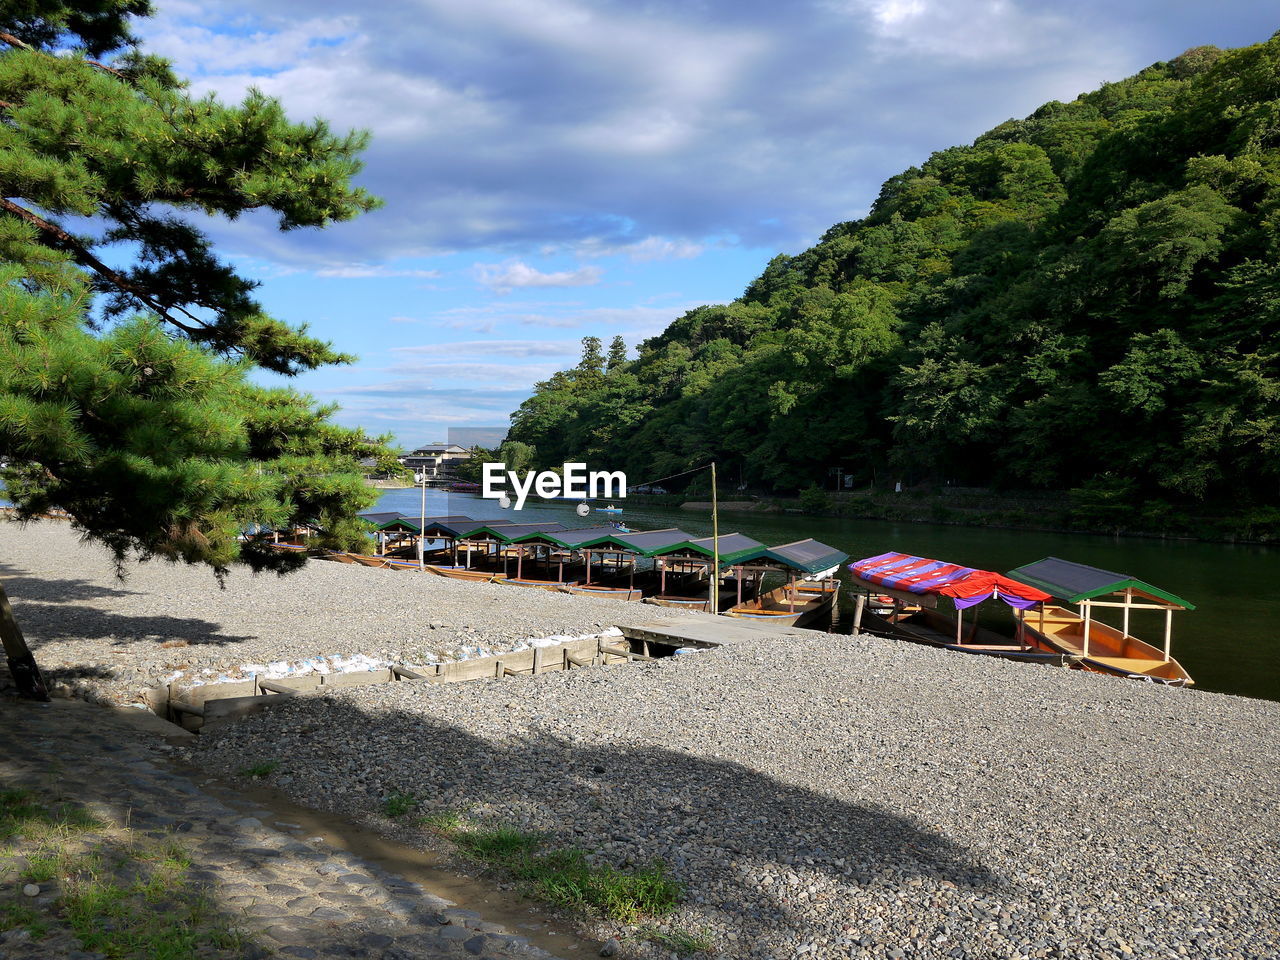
pixel 715 544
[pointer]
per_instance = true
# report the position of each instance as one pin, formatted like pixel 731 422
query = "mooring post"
pixel 859 606
pixel 537 660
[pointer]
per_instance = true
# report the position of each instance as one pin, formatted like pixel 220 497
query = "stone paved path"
pixel 295 899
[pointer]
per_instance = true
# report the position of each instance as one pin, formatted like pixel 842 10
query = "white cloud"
pixel 360 270
pixel 497 348
pixel 513 274
pixel 641 251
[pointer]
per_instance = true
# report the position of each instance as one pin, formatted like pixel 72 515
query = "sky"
pixel 554 169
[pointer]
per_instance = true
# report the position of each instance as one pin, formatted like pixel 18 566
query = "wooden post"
pixel 1128 599
pixel 959 623
pixel 1085 606
pixel 1022 630
pixel 587 554
pixel 22 664
pixel 791 592
pixel 737 575
pixel 858 606
pixel 537 660
pixel 1168 633
pixel 498 670
pixel 1042 616
pixel 662 577
pixel 520 563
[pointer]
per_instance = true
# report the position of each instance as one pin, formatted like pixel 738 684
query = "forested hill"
pixel 1089 296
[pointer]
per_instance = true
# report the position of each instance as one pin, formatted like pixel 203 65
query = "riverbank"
pixel 98 637
pixel 1046 511
pixel 841 798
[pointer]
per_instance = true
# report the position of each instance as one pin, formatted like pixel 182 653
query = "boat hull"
pixel 931 629
pixel 558 586
pixel 1111 651
pixel 462 573
pixel 812 601
pixel 614 593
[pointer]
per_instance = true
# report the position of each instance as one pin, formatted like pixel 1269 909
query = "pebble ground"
pixel 845 797
pixel 98 637
pixel 294 897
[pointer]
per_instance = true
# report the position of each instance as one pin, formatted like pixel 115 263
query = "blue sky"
pixel 554 169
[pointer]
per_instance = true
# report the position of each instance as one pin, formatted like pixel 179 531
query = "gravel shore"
pixel 844 797
pixel 102 638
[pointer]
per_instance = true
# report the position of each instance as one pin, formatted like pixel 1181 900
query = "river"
pixel 1230 643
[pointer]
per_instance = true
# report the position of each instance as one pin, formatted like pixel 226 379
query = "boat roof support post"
pixel 1084 605
pixel 1168 633
pixel 1128 605
pixel 959 624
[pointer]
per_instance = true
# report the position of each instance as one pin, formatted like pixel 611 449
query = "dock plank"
pixel 699 632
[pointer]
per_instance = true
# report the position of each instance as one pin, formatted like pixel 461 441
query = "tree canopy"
pixel 1089 293
pixel 126 344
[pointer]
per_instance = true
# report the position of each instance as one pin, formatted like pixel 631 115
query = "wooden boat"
pixel 604 590
pixel 559 586
pixel 914 586
pixel 791 605
pixel 933 628
pixel 1102 647
pixel 1110 649
pixel 459 573
pixel 683 603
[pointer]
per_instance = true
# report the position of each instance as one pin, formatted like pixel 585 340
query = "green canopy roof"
pixel 808 556
pixel 731 544
pixel 508 532
pixel 649 543
pixel 579 538
pixel 1076 582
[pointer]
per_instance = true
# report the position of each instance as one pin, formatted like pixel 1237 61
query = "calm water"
pixel 1229 643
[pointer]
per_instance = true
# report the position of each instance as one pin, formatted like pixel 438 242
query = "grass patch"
pixel 398 803
pixel 442 821
pixel 15 915
pixel 567 878
pixel 259 771
pixel 127 897
pixel 22 815
pixel 680 941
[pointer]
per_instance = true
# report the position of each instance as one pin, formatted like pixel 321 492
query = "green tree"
pixel 125 395
pixel 617 354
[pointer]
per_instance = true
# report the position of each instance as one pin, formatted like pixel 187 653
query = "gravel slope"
pixel 107 639
pixel 837 797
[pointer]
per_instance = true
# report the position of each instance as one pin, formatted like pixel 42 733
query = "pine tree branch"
pixel 13 41
pixel 86 258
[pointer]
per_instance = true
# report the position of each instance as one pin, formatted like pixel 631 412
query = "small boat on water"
pixel 914 585
pixel 791 605
pixel 611 508
pixel 1101 647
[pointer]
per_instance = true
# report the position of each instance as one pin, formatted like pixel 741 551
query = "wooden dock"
pixel 706 633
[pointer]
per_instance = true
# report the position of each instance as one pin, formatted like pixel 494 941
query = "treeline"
pixel 1085 299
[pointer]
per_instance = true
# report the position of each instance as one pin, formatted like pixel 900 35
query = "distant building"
pixel 438 460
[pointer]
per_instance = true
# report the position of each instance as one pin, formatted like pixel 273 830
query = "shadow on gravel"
pixel 721 826
pixel 47 610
